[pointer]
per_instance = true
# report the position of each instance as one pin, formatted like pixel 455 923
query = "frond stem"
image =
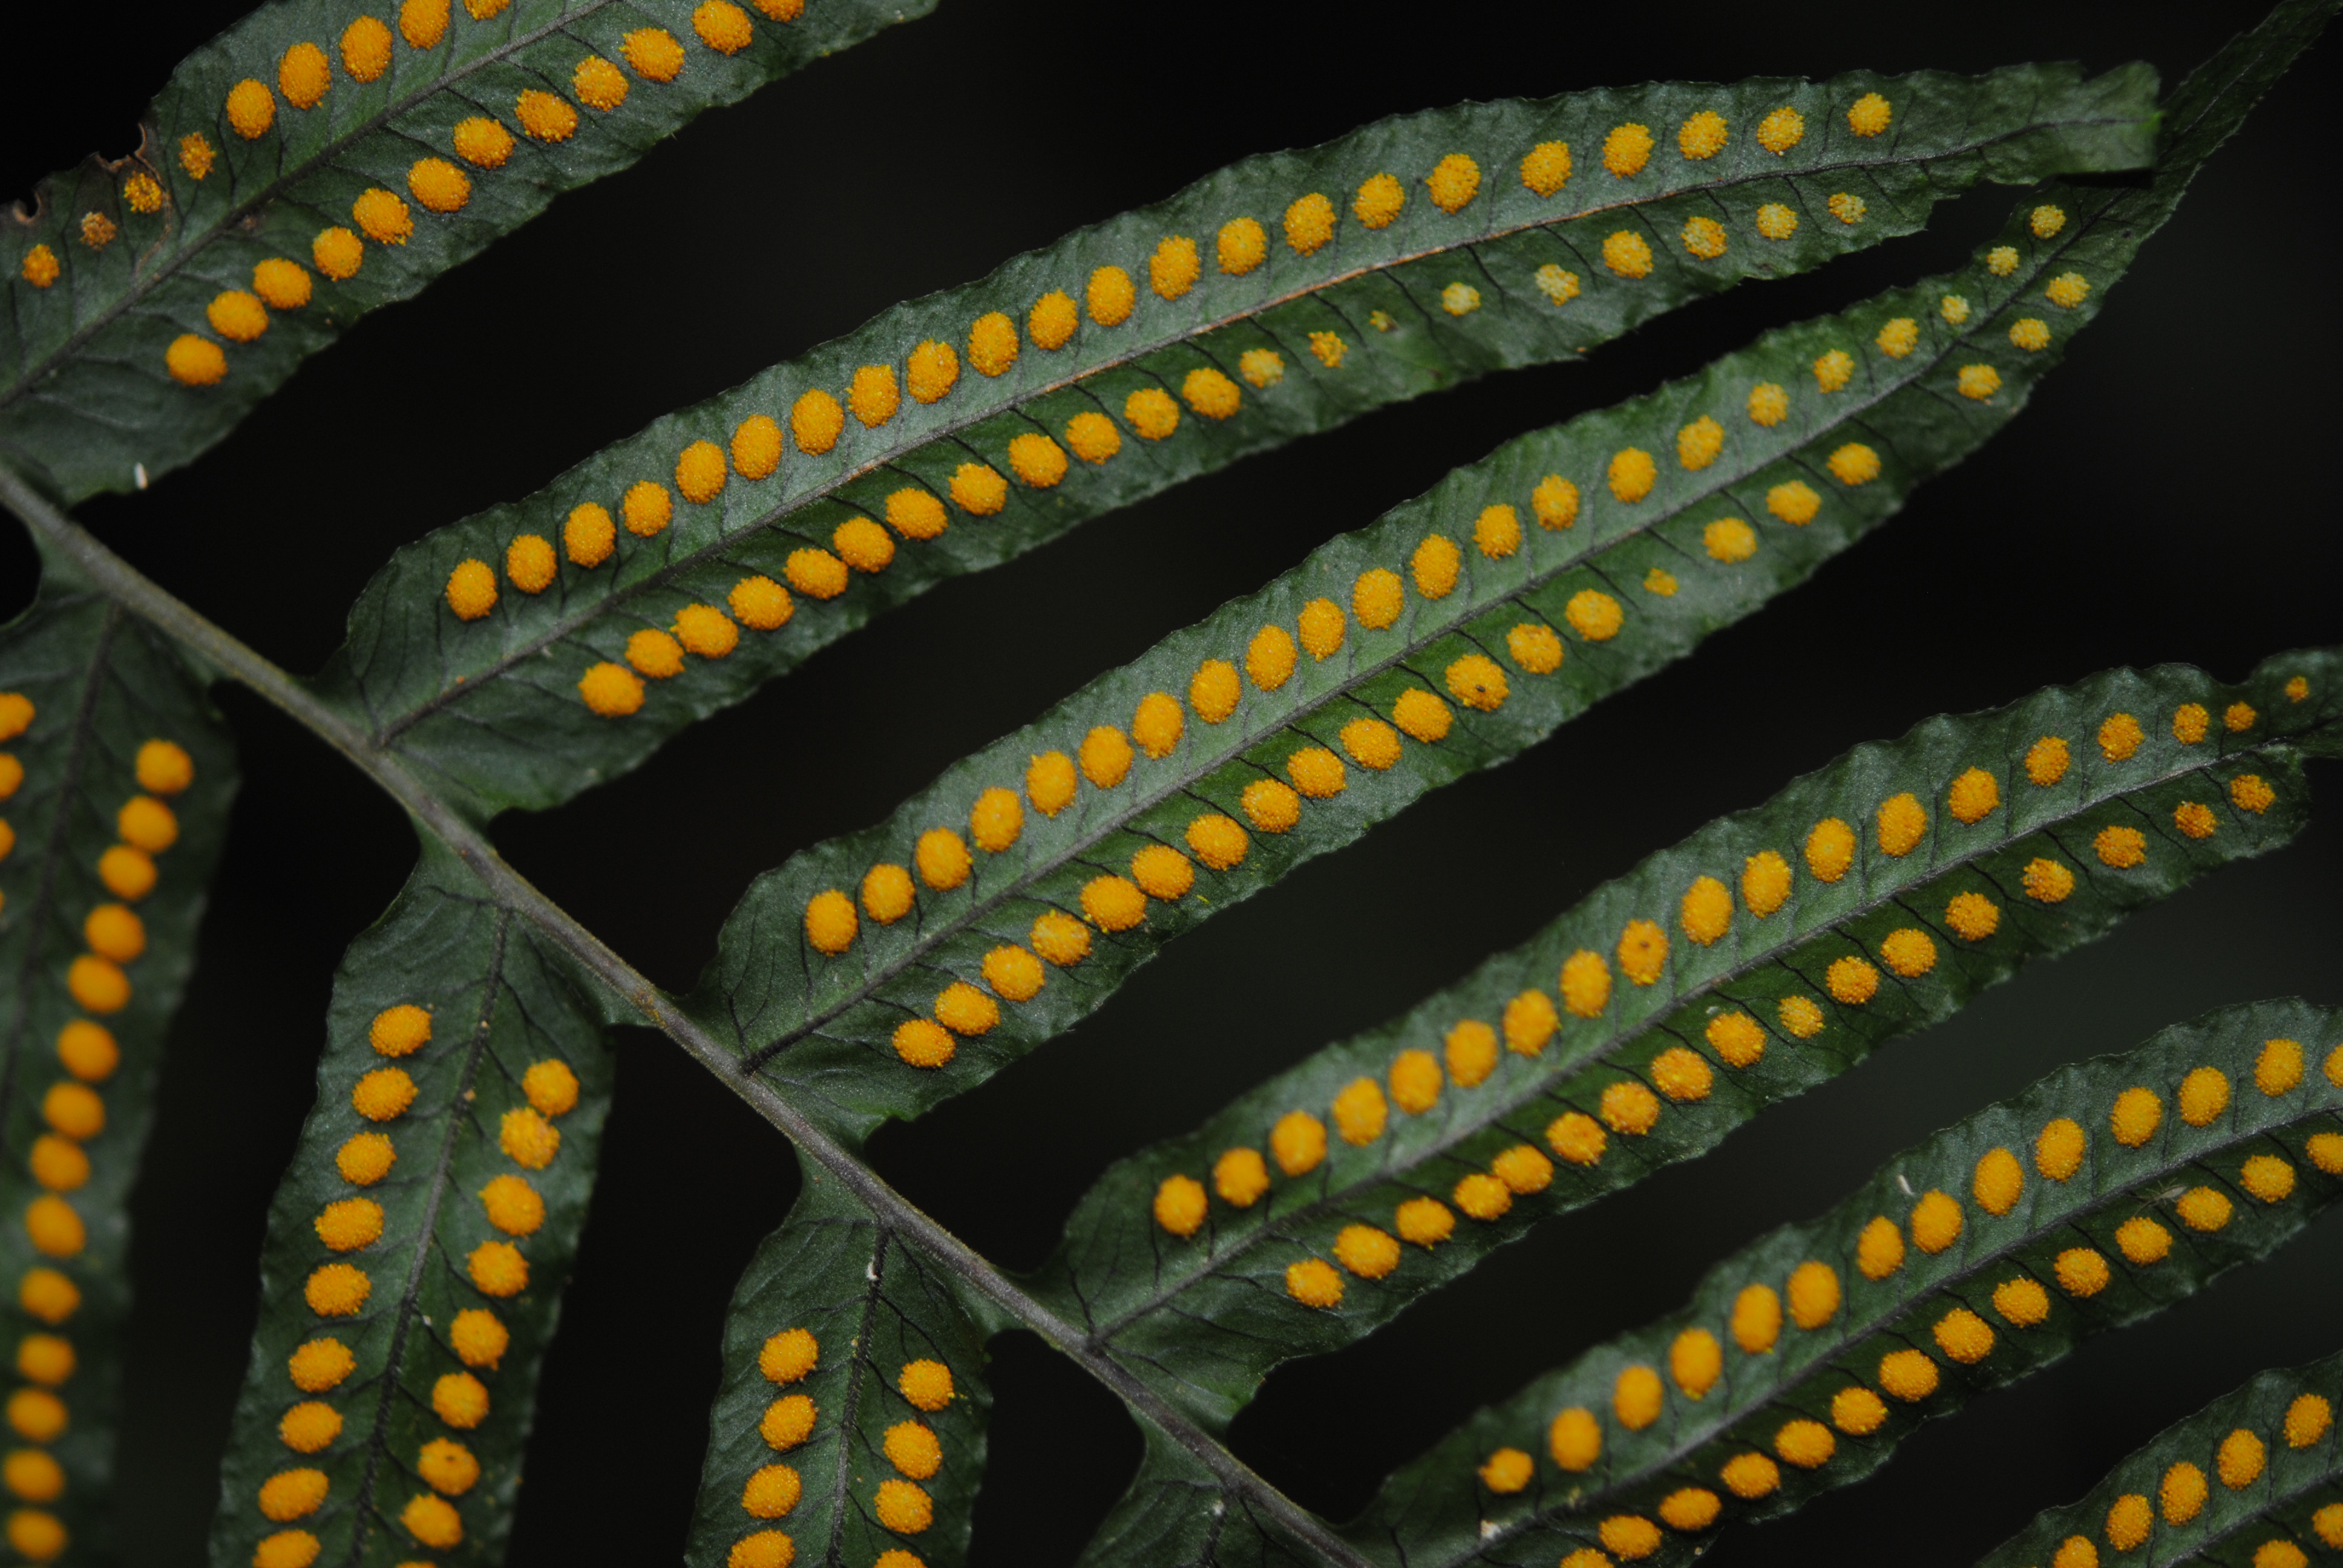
pixel 124 583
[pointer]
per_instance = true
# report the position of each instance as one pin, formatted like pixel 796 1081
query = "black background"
pixel 2163 499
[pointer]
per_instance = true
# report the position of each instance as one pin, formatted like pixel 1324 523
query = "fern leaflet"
pixel 115 785
pixel 2104 1193
pixel 507 655
pixel 880 972
pixel 2256 1476
pixel 853 1413
pixel 1768 953
pixel 418 1244
pixel 313 163
pixel 1182 1504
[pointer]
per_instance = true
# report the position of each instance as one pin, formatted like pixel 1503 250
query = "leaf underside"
pixel 1625 588
pixel 101 686
pixel 2291 1497
pixel 1177 1509
pixel 890 1453
pixel 492 708
pixel 2163 1213
pixel 86 403
pixel 443 1356
pixel 1207 1315
pixel 461 1247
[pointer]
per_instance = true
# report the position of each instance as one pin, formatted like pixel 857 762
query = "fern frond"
pixel 851 1419
pixel 2257 1476
pixel 1768 953
pixel 727 542
pixel 313 163
pixel 2104 1193
pixel 116 775
pixel 418 1243
pixel 880 972
pixel 837 959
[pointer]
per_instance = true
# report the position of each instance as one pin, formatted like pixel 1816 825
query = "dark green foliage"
pixel 1208 1316
pixel 875 1306
pixel 2288 1501
pixel 500 1002
pixel 86 404
pixel 1277 298
pixel 820 1026
pixel 491 709
pixel 1435 1511
pixel 101 686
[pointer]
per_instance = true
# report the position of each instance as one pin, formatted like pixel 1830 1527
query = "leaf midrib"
pixel 233 219
pixel 1142 801
pixel 561 629
pixel 1536 1088
pixel 841 1487
pixel 1826 1364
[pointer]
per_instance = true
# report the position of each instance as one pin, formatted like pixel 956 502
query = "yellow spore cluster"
pixel 789 1358
pixel 2238 1460
pixel 303 75
pixel 1116 903
pixel 72 1109
pixel 351 1231
pixel 1108 297
pixel 1703 136
pixel 1628 1108
pixel 40 266
pixel 1699 1355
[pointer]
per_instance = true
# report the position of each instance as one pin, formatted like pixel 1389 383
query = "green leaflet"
pixel 1717 1031
pixel 493 709
pixel 1174 1511
pixel 87 402
pixel 880 1443
pixel 78 1072
pixel 2293 1497
pixel 2217 1181
pixel 432 1389
pixel 1469 636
